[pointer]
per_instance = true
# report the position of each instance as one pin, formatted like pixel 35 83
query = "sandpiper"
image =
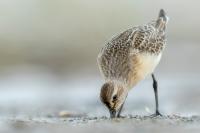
pixel 128 58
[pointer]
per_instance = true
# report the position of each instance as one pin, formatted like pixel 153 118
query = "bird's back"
pixel 132 54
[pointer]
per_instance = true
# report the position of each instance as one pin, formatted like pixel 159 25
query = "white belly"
pixel 147 64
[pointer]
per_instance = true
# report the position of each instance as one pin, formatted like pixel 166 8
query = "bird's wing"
pixel 108 54
pixel 140 39
pixel 102 63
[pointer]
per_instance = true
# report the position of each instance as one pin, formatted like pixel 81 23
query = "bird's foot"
pixel 156 114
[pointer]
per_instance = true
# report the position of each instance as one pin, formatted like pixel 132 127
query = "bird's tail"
pixel 162 20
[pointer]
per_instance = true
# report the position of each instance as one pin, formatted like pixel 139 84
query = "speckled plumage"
pixel 133 54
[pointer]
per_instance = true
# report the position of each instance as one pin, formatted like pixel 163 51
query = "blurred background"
pixel 48 53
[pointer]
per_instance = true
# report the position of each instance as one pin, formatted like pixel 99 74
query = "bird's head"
pixel 162 20
pixel 113 96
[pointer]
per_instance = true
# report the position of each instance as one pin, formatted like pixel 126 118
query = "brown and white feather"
pixel 132 55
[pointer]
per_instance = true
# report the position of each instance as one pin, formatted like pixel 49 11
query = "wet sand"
pixel 141 124
pixel 32 100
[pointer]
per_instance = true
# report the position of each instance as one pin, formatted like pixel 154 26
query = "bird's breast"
pixel 143 64
pixel 147 64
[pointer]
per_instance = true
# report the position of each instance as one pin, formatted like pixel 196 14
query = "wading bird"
pixel 128 58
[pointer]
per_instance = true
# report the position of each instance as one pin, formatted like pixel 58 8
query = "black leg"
pixel 155 87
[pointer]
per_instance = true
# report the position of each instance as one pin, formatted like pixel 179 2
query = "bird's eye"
pixel 114 97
